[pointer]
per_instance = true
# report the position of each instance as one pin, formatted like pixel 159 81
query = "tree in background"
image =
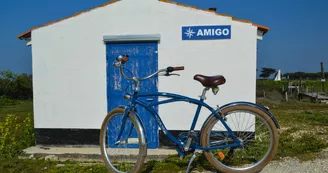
pixel 266 72
pixel 305 76
pixel 16 86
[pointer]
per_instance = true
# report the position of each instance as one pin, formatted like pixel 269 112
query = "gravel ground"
pixel 292 165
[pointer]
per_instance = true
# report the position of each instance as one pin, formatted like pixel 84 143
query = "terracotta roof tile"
pixel 241 20
pixel 168 1
pixel 204 10
pixel 226 15
pixel 27 34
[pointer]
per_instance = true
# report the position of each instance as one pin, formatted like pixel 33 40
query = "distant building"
pixel 277 76
pixel 73 79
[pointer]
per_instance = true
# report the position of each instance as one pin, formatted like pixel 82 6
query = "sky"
pixel 297 40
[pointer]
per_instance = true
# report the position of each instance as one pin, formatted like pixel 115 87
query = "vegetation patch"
pixel 313 117
pixel 15 136
pixel 21 108
pixel 6 101
pixel 302 147
pixel 43 166
pixel 303 128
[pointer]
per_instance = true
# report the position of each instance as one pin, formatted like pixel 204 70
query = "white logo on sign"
pixel 212 32
pixel 190 33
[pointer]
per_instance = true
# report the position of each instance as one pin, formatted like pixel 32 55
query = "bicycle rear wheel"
pixel 253 127
pixel 129 154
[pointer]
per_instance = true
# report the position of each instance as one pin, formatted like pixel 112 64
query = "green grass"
pixel 172 164
pixel 313 117
pixel 43 166
pixel 304 128
pixel 303 146
pixel 20 108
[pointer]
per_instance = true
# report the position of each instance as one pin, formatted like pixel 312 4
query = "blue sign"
pixel 208 32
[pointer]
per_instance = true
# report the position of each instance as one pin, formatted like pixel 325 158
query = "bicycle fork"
pixel 125 115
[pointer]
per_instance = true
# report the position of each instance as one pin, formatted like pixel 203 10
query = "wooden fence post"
pixel 323 80
pixel 286 96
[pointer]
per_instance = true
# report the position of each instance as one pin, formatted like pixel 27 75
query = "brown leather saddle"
pixel 210 81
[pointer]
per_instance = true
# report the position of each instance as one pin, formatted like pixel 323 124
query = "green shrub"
pixel 15 136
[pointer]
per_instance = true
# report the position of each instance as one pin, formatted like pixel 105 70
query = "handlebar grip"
pixel 171 69
pixel 124 59
pixel 178 68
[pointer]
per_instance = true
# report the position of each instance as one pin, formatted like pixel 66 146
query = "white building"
pixel 74 88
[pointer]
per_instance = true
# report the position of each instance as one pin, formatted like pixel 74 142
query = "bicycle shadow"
pixel 174 164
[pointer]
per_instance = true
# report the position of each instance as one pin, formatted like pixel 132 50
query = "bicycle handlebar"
pixel 122 59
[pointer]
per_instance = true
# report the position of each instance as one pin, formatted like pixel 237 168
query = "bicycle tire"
pixel 142 141
pixel 264 161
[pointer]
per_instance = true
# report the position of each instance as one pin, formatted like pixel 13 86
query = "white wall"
pixel 69 62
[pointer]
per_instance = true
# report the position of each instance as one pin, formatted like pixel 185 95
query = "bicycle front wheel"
pixel 128 153
pixel 253 127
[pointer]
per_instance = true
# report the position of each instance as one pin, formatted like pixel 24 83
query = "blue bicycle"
pixel 237 137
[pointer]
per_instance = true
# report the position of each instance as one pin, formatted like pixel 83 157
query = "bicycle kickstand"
pixel 196 153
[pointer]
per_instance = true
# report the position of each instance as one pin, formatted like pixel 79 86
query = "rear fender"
pixel 263 108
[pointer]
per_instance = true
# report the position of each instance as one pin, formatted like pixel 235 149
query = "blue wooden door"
pixel 142 62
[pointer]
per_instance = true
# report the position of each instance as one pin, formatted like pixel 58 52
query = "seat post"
pixel 192 134
pixel 203 97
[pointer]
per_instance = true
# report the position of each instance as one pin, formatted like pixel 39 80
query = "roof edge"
pixel 28 33
pixel 24 35
pixel 262 28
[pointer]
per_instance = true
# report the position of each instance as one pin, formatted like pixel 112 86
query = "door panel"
pixel 142 62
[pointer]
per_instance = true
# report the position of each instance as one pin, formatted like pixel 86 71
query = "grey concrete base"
pixel 88 153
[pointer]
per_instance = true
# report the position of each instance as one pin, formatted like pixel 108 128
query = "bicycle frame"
pixel 135 100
